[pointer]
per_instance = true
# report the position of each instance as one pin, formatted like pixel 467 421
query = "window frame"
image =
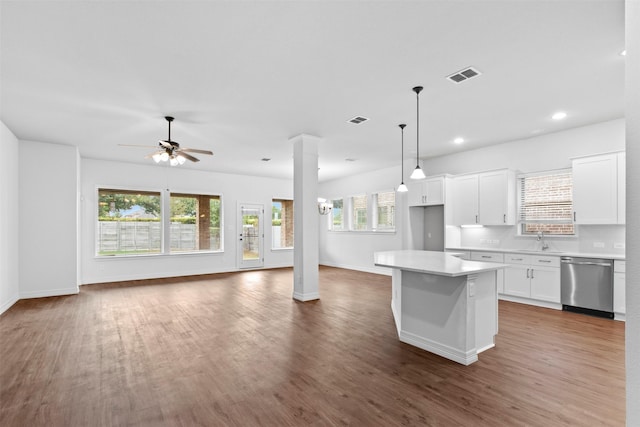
pixel 170 194
pixel 283 248
pixel 352 213
pixel 375 214
pixel 165 221
pixel 522 222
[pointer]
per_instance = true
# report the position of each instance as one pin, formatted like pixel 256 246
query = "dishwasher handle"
pixel 599 264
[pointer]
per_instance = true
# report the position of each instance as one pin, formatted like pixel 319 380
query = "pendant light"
pixel 402 188
pixel 417 172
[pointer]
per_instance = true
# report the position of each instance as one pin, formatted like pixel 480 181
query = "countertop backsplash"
pixel 602 239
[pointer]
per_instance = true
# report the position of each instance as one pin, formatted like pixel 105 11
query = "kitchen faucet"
pixel 540 238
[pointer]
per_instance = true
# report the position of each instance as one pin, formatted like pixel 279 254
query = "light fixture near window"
pixel 402 188
pixel 418 173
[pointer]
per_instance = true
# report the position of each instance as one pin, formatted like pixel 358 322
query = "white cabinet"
pixel 622 187
pixel 464 199
pixel 427 192
pixel 532 276
pixel 491 257
pixel 619 283
pixel 595 189
pixel 487 198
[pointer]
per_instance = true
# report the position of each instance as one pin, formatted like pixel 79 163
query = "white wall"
pixel 9 220
pixel 353 249
pixel 545 152
pixel 632 334
pixel 234 189
pixel 48 176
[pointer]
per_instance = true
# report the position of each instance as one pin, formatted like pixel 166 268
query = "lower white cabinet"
pixel 532 276
pixel 492 257
pixel 619 279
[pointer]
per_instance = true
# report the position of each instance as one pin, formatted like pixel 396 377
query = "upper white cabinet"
pixel 622 187
pixel 595 189
pixel 464 199
pixel 427 192
pixel 486 198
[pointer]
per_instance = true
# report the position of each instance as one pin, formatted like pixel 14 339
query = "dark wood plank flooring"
pixel 236 350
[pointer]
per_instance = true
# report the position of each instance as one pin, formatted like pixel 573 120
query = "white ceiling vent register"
pixel 462 75
pixel 357 120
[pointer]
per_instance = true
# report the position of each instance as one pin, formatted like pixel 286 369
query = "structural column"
pixel 305 218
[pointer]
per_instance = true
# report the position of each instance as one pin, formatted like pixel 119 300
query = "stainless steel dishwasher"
pixel 586 285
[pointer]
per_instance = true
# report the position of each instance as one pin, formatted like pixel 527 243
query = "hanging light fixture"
pixel 402 188
pixel 417 172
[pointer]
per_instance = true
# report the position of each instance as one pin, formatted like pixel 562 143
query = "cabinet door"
pixel 465 200
pixel 516 281
pixel 595 189
pixel 415 197
pixel 619 293
pixel 493 198
pixel 433 189
pixel 622 186
pixel 545 284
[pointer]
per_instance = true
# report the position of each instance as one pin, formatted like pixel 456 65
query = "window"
pixel 337 222
pixel 281 224
pixel 385 210
pixel 359 213
pixel 195 223
pixel 546 204
pixel 129 222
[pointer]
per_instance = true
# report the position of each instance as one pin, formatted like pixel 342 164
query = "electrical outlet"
pixel 598 244
pixel 618 245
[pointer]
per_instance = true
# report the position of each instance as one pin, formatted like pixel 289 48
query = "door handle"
pixel 528 272
pixel 532 273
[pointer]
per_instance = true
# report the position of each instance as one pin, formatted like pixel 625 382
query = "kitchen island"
pixel 443 304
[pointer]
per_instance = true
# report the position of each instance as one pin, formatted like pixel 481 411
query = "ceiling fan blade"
pixel 188 156
pixel 195 150
pixel 134 145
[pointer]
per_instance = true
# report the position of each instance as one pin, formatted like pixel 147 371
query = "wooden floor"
pixel 235 349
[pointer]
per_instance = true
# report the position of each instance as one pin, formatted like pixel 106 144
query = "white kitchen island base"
pixel 443 304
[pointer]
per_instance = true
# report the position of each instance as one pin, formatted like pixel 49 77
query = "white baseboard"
pixel 306 297
pixel 439 349
pixel 7 305
pixel 49 293
pixel 375 270
pixel 528 301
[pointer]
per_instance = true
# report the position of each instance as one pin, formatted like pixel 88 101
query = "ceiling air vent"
pixel 462 75
pixel 357 120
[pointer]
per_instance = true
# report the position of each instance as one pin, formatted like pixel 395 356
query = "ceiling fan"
pixel 171 151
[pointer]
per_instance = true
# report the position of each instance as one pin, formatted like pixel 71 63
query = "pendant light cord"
pixel 417 90
pixel 402 126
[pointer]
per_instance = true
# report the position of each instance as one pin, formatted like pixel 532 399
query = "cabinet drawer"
pixel 487 256
pixel 547 261
pixel 517 259
pixel 619 266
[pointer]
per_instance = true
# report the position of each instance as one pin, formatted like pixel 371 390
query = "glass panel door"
pixel 251 233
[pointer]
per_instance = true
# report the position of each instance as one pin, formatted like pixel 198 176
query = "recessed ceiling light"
pixel 458 140
pixel 623 53
pixel 349 159
pixel 265 159
pixel 559 115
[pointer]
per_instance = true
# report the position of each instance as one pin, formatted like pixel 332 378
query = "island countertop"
pixel 432 262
